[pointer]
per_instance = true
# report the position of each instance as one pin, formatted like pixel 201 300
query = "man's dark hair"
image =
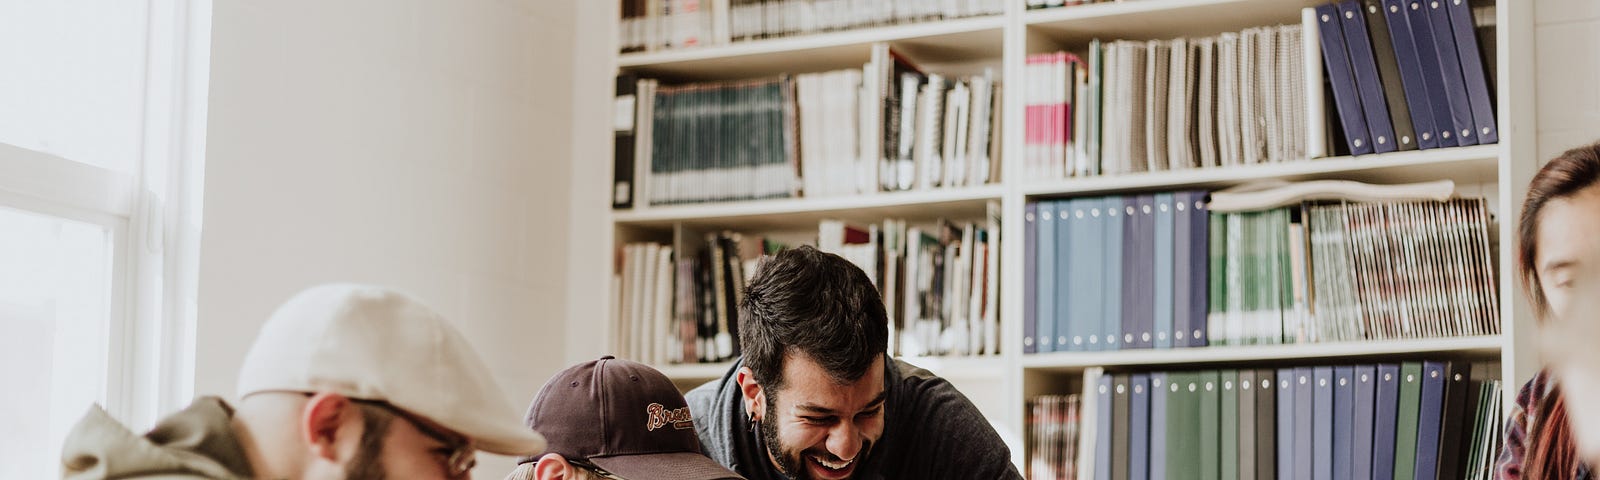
pixel 815 304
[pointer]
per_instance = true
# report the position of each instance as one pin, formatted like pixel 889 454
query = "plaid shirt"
pixel 1509 466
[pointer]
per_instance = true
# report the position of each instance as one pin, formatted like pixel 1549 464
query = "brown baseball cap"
pixel 624 417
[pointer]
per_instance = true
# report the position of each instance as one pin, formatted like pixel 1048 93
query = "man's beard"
pixel 792 462
pixel 367 464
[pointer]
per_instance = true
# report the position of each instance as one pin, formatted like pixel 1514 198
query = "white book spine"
pixel 1316 143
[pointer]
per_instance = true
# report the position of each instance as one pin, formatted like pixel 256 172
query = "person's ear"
pixel 321 420
pixel 552 466
pixel 754 396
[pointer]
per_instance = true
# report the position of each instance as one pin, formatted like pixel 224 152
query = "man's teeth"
pixel 835 466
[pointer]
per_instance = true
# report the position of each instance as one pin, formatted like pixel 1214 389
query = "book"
pixel 1437 17
pixel 1363 408
pixel 1479 97
pixel 1346 95
pixel 1030 272
pixel 1369 87
pixel 1407 416
pixel 1394 93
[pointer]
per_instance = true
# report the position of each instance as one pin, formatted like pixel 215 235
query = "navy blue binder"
pixel 1442 71
pixel 1344 411
pixel 1067 263
pixel 1182 228
pixel 1144 317
pixel 1368 85
pixel 1478 94
pixel 1047 277
pixel 1455 83
pixel 1430 414
pixel 1199 268
pixel 1030 272
pixel 1383 423
pixel 1132 283
pixel 1164 269
pixel 1139 427
pixel 1346 100
pixel 1305 438
pixel 1112 237
pixel 1286 437
pixel 1102 435
pixel 1158 425
pixel 1411 74
pixel 1322 423
pixel 1366 386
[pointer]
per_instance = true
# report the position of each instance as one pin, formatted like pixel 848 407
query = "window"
pixel 102 114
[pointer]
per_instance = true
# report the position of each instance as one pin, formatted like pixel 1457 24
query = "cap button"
pixel 609 357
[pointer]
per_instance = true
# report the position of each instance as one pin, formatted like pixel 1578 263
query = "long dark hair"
pixel 1551 452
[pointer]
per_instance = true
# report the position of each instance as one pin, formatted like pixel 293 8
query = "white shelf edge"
pixel 1100 10
pixel 1240 173
pixel 1312 351
pixel 813 41
pixel 805 205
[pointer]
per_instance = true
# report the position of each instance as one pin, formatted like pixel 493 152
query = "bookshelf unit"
pixel 1002 384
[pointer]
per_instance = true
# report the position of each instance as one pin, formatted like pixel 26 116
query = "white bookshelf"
pixel 1001 385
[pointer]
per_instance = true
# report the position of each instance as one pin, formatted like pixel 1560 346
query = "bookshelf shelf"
pixel 805 212
pixel 1464 165
pixel 1075 361
pixel 694 371
pixel 966 38
pixel 962 368
pixel 1160 19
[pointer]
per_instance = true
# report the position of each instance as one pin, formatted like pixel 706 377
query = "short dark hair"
pixel 816 304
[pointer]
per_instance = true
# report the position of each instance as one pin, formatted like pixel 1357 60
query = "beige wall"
pixel 1568 43
pixel 419 144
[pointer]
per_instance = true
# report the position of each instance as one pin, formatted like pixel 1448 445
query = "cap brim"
pixel 665 466
pixel 515 442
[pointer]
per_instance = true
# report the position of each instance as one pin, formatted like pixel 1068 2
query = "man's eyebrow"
pixel 818 409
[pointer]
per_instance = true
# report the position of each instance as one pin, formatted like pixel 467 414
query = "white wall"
pixel 1568 41
pixel 419 144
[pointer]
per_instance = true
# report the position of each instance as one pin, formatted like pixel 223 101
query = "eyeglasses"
pixel 594 469
pixel 462 453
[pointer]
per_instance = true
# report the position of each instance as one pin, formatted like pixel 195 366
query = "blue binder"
pixel 1368 86
pixel 1088 286
pixel 1112 235
pixel 1455 83
pixel 1366 387
pixel 1182 291
pixel 1102 436
pixel 1067 263
pixel 1286 414
pixel 1199 268
pixel 1478 95
pixel 1322 423
pixel 1132 283
pixel 1344 411
pixel 1442 72
pixel 1158 425
pixel 1411 74
pixel 1145 308
pixel 1030 275
pixel 1304 425
pixel 1139 427
pixel 1164 269
pixel 1047 277
pixel 1387 406
pixel 1430 414
pixel 1345 98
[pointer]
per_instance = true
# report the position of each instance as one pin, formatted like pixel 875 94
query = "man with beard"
pixel 344 381
pixel 814 397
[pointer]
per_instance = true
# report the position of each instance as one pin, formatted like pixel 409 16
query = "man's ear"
pixel 754 397
pixel 552 466
pixel 324 414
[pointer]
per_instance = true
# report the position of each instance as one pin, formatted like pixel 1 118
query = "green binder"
pixel 1230 424
pixel 1210 391
pixel 1405 443
pixel 1182 453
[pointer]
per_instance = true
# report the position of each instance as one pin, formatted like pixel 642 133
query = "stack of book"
pixel 1419 420
pixel 1161 271
pixel 1407 74
pixel 1053 425
pixel 668 24
pixel 887 126
pixel 1144 106
pixel 643 310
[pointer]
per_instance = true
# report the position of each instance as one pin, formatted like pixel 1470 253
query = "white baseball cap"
pixel 373 343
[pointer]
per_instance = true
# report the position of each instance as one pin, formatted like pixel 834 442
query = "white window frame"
pixel 152 213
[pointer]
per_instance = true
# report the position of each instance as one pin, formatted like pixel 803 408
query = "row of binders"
pixel 1416 420
pixel 887 126
pixel 1408 74
pixel 1144 106
pixel 649 25
pixel 1162 271
pixel 939 283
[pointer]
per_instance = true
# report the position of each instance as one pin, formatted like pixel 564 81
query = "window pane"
pixel 74 79
pixel 55 292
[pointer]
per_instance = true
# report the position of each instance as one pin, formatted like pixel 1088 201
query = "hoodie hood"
pixel 196 442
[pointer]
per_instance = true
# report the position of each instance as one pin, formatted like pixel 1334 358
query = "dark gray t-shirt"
pixel 930 431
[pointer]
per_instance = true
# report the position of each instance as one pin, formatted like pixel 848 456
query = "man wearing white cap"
pixel 344 381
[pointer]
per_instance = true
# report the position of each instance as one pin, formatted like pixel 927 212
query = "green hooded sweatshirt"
pixel 196 442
